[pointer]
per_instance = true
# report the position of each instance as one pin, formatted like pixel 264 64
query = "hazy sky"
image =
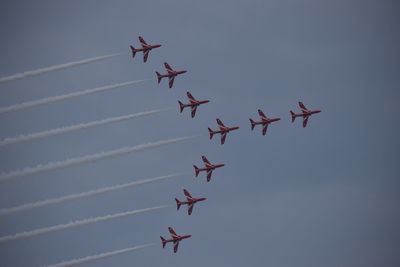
pixel 326 195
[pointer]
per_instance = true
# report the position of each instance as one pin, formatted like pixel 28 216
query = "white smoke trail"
pixel 86 159
pixel 60 227
pixel 98 256
pixel 54 68
pixel 91 193
pixel 30 137
pixel 53 99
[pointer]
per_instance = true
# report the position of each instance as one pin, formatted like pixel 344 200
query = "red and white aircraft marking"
pixel 146 48
pixel 305 114
pixel 190 201
pixel 171 74
pixel 175 238
pixel 265 121
pixel 193 103
pixel 209 168
pixel 223 130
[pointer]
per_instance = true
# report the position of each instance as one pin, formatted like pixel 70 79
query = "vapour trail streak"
pixel 53 99
pixel 98 256
pixel 60 227
pixel 54 68
pixel 86 159
pixel 30 137
pixel 91 193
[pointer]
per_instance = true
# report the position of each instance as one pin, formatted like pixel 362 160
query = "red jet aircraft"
pixel 174 238
pixel 208 167
pixel 171 74
pixel 265 121
pixel 190 201
pixel 146 48
pixel 193 103
pixel 305 114
pixel 223 130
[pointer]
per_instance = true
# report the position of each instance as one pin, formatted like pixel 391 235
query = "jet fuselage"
pixel 195 103
pixel 194 200
pixel 226 130
pixel 173 73
pixel 264 121
pixel 213 167
pixel 146 48
pixel 308 113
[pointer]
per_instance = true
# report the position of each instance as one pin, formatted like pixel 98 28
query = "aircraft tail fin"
pixel 163 241
pixel 181 105
pixel 293 116
pixel 252 124
pixel 178 204
pixel 211 133
pixel 196 170
pixel 133 51
pixel 159 77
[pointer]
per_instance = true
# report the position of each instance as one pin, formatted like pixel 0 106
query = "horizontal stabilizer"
pixel 181 106
pixel 133 51
pixel 178 204
pixel 197 170
pixel 252 124
pixel 293 116
pixel 163 241
pixel 211 133
pixel 159 77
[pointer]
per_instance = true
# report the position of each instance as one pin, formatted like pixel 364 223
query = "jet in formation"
pixel 190 201
pixel 306 113
pixel 223 130
pixel 146 48
pixel 209 168
pixel 193 103
pixel 175 238
pixel 171 74
pixel 265 121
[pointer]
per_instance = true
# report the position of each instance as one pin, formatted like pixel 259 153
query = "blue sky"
pixel 325 195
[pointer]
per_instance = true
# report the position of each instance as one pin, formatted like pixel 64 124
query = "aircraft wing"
pixel 145 55
pixel 171 81
pixel 220 123
pixel 262 115
pixel 302 106
pixel 205 160
pixel 187 194
pixel 265 127
pixel 190 208
pixel 194 108
pixel 209 173
pixel 305 120
pixel 142 41
pixel 223 137
pixel 176 245
pixel 189 95
pixel 172 232
pixel 168 67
